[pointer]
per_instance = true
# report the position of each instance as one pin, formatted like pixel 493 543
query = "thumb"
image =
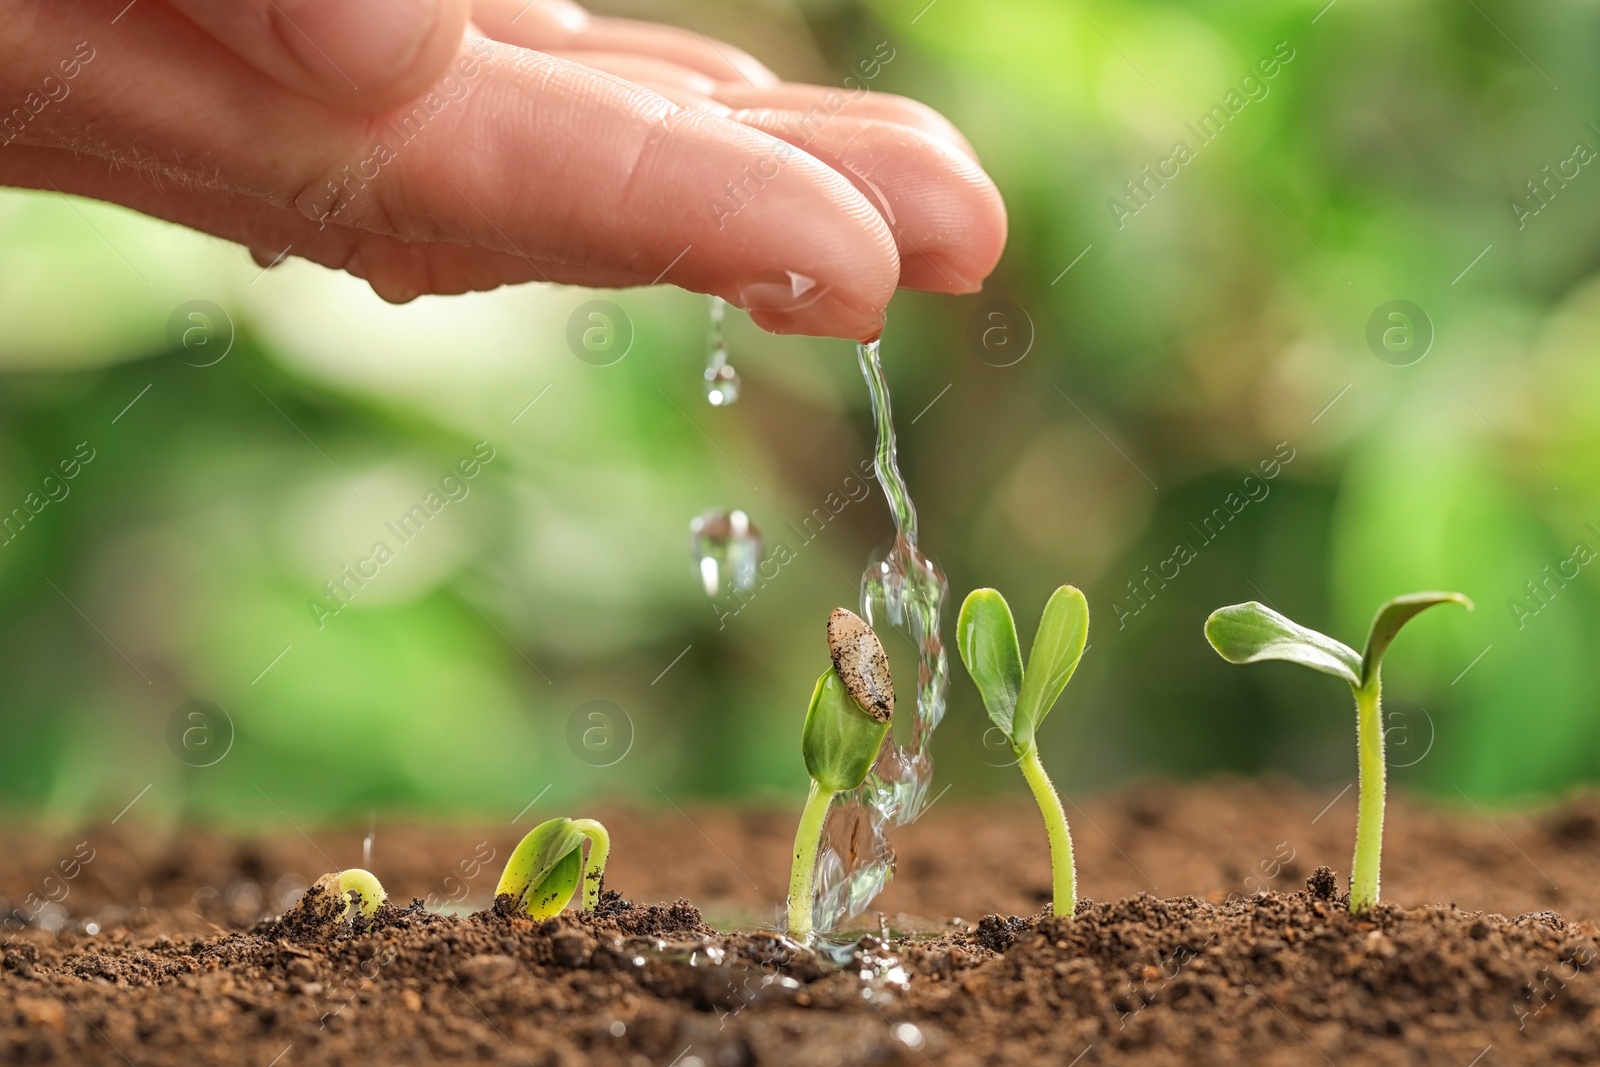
pixel 355 55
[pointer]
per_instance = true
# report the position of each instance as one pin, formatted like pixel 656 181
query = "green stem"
pixel 594 868
pixel 807 838
pixel 1369 810
pixel 1062 872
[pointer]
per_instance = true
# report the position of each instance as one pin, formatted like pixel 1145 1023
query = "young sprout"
pixel 1017 700
pixel 543 873
pixel 1249 633
pixel 846 724
pixel 334 902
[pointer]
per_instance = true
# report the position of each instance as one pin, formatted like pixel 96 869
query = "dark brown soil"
pixel 172 951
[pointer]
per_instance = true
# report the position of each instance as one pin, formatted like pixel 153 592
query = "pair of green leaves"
pixel 1252 632
pixel 544 871
pixel 1017 700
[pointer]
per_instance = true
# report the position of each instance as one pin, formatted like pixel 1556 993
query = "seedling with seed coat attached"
pixel 846 724
pixel 1017 700
pixel 544 871
pixel 1249 633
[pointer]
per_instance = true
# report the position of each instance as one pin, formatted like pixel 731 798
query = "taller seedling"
pixel 1249 633
pixel 1017 700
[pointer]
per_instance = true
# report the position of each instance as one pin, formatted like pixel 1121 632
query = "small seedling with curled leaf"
pixel 846 725
pixel 1017 700
pixel 543 872
pixel 1251 632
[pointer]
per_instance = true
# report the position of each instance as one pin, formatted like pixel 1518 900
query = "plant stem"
pixel 1369 810
pixel 594 868
pixel 1063 875
pixel 807 838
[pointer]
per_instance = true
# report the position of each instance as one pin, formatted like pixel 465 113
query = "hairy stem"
pixel 1063 874
pixel 1369 811
pixel 595 868
pixel 807 838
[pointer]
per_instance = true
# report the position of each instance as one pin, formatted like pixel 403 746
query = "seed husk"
pixel 861 663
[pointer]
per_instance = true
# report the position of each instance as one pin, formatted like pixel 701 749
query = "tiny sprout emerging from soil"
pixel 543 873
pixel 846 724
pixel 1249 633
pixel 1017 700
pixel 342 890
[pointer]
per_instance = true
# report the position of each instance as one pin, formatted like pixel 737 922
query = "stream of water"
pixel 722 381
pixel 902 594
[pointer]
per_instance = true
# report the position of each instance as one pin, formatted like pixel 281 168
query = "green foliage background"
pixel 1182 348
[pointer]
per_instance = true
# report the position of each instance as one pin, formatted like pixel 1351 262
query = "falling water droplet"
pixel 726 548
pixel 722 385
pixel 722 381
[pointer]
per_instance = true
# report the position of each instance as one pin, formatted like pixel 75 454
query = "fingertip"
pixel 790 303
pixel 932 272
pixel 947 217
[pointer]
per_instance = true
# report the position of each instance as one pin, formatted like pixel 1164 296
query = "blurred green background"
pixel 1218 320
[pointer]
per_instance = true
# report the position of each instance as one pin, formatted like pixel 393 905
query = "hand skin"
pixel 445 146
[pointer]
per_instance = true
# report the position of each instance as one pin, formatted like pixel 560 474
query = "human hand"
pixel 426 153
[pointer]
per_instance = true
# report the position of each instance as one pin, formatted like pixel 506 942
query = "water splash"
pixel 726 548
pixel 722 381
pixel 902 591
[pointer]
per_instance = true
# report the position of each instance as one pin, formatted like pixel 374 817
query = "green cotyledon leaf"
pixel 1057 649
pixel 1252 632
pixel 986 636
pixel 1393 615
pixel 840 741
pixel 544 871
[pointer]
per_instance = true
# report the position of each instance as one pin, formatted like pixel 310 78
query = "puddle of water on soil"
pixel 865 952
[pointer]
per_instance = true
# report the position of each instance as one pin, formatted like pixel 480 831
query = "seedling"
pixel 1017 700
pixel 1249 633
pixel 543 873
pixel 342 890
pixel 846 724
